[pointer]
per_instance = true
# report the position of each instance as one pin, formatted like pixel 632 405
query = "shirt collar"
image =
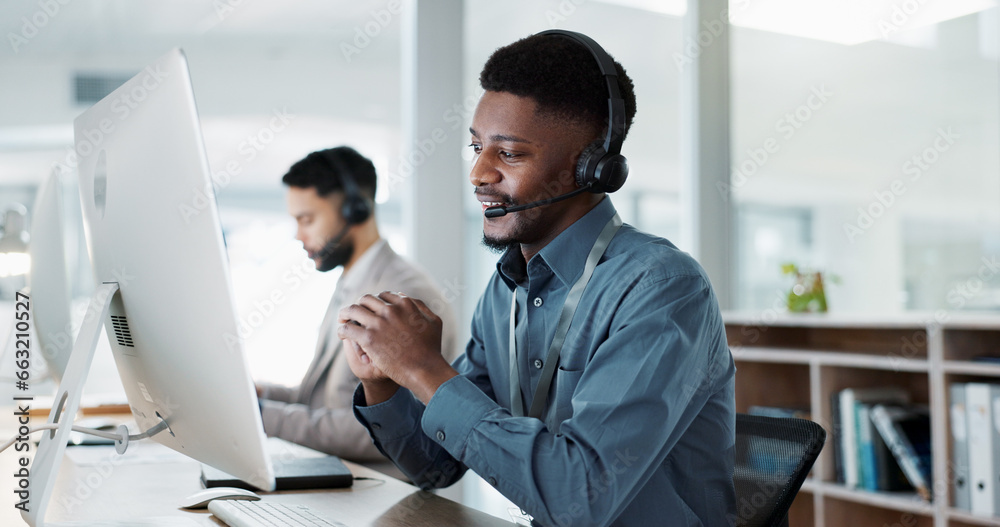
pixel 565 255
pixel 361 268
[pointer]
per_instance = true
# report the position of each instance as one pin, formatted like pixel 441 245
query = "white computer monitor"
pixel 152 226
pixel 47 278
pixel 164 293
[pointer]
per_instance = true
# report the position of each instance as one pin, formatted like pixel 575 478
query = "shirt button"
pixel 440 435
pixel 538 301
pixel 376 426
pixel 538 364
pixel 492 481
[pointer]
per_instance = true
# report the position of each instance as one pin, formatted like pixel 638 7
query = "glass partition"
pixel 864 142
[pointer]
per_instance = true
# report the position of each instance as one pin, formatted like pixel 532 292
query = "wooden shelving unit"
pixel 800 360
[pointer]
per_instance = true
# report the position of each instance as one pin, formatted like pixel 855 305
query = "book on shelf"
pixel 982 415
pixel 959 448
pixel 845 427
pixel 878 468
pixel 866 451
pixel 906 430
pixel 889 475
pixel 836 432
pixel 988 359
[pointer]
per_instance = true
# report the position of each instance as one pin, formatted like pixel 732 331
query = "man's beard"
pixel 520 233
pixel 498 245
pixel 335 256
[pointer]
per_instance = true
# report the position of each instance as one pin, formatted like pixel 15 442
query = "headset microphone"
pixel 332 255
pixel 496 212
pixel 334 242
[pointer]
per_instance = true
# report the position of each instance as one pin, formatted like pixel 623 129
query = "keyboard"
pixel 243 513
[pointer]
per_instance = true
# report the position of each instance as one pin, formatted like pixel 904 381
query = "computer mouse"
pixel 199 500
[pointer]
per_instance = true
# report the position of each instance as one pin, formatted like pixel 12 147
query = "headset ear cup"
pixel 599 168
pixel 612 171
pixel 355 210
pixel 586 164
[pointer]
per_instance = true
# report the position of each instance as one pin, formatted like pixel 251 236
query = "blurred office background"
pixel 864 136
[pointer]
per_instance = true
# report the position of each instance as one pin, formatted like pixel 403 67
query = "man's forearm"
pixel 426 382
pixel 377 392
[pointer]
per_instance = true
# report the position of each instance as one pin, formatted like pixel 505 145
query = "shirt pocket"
pixel 565 385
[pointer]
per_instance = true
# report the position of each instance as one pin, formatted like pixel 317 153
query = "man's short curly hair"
pixel 561 75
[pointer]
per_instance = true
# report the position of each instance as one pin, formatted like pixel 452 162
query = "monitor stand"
pixel 45 466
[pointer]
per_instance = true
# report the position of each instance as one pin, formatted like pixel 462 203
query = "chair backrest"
pixel 773 457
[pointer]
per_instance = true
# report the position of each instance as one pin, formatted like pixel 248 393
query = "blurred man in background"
pixel 331 195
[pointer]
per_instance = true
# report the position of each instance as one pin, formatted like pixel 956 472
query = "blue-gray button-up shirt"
pixel 640 422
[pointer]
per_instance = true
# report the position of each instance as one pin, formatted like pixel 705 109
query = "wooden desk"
pixel 123 492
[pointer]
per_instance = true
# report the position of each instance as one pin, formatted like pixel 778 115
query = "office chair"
pixel 773 457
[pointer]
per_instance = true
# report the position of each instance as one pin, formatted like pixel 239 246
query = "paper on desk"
pixel 144 453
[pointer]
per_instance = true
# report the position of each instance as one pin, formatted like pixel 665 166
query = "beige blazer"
pixel 318 413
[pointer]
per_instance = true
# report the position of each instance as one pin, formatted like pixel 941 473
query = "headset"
pixel 356 208
pixel 601 167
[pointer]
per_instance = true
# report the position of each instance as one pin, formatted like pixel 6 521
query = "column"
pixel 707 204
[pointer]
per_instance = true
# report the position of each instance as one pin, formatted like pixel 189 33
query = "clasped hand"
pixel 394 340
